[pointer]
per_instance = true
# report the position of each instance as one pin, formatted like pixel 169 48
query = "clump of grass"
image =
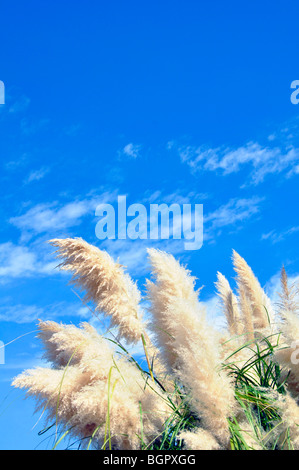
pixel 258 382
pixel 197 387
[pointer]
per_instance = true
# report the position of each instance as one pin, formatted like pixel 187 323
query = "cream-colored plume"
pixel 246 314
pixel 199 439
pixel 288 355
pixel 97 392
pixel 288 430
pixel 190 345
pixel 230 305
pixel 92 391
pixel 105 283
pixel 288 295
pixel 173 283
pixel 262 311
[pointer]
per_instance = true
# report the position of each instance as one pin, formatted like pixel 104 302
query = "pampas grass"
pixel 104 282
pixel 202 388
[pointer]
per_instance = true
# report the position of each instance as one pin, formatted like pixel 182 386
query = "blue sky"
pixel 165 102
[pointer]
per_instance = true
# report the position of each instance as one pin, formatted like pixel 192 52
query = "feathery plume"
pixel 230 305
pixel 172 283
pixel 287 356
pixel 191 346
pixel 209 388
pixel 102 395
pixel 288 295
pixel 289 427
pixel 89 384
pixel 104 282
pixel 262 311
pixel 251 435
pixel 53 389
pixel 246 313
pixel 199 440
pixel 82 346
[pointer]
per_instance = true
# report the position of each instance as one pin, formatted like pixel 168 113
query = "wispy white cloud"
pixel 48 220
pixel 18 261
pixel 20 104
pixel 263 160
pixel 52 217
pixel 12 165
pixel 175 197
pixel 46 217
pixel 276 237
pixel 37 175
pixel 131 150
pixel 232 214
pixel 31 257
pixel 22 313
